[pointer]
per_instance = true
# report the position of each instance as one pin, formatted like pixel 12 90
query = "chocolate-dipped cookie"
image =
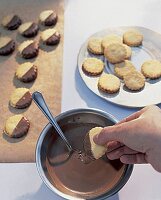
pixel 50 37
pixel 28 49
pixel 7 46
pixel 11 22
pixel 26 72
pixel 48 17
pixel 16 126
pixel 20 98
pixel 28 29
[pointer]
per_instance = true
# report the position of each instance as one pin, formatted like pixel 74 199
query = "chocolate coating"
pixel 31 31
pixel 51 20
pixel 14 23
pixel 30 51
pixel 21 128
pixel 25 101
pixel 8 49
pixel 30 75
pixel 54 39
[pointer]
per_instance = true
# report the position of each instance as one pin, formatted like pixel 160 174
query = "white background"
pixel 83 18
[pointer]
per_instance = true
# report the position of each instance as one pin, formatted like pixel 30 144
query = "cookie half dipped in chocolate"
pixel 93 150
pixel 21 98
pixel 48 17
pixel 26 72
pixel 28 29
pixel 16 126
pixel 7 46
pixel 28 49
pixel 11 22
pixel 50 37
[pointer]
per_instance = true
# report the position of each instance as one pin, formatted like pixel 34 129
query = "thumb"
pixel 118 133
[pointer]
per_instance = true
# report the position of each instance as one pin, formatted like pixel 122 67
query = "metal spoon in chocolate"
pixel 40 102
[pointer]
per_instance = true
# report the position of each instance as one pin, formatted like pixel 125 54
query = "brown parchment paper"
pixel 49 63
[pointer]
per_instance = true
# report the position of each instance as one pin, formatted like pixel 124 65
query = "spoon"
pixel 40 102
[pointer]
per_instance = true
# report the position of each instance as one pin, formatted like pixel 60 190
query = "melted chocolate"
pixel 8 48
pixel 31 31
pixel 25 101
pixel 54 39
pixel 51 20
pixel 74 177
pixel 30 75
pixel 30 51
pixel 21 128
pixel 14 23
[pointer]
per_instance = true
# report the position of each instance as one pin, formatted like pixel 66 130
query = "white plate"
pixel 151 49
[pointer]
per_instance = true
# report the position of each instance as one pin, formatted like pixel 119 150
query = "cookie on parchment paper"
pixel 7 46
pixel 28 29
pixel 151 69
pixel 95 46
pixel 26 72
pixel 132 38
pixel 134 80
pixel 48 17
pixel 50 36
pixel 93 66
pixel 109 83
pixel 21 98
pixel 28 49
pixel 11 22
pixel 16 126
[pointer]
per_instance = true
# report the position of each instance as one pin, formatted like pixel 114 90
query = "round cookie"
pixel 151 69
pixel 108 39
pixel 134 80
pixel 92 66
pixel 7 46
pixel 115 53
pixel 94 46
pixel 28 29
pixel 109 83
pixel 11 22
pixel 128 50
pixel 28 49
pixel 50 36
pixel 133 38
pixel 16 126
pixel 48 17
pixel 26 72
pixel 121 69
pixel 20 98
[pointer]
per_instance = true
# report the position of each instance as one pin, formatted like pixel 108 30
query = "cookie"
pixel 48 17
pixel 28 29
pixel 94 46
pixel 11 22
pixel 7 46
pixel 132 38
pixel 109 83
pixel 26 72
pixel 115 53
pixel 28 49
pixel 121 69
pixel 134 80
pixel 128 50
pixel 20 98
pixel 108 39
pixel 151 69
pixel 50 36
pixel 16 126
pixel 92 66
pixel 91 148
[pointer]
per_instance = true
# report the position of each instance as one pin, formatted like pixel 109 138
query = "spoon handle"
pixel 40 102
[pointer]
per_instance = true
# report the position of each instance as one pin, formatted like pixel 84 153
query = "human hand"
pixel 135 139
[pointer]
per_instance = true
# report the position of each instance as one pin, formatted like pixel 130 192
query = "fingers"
pixel 113 145
pixel 138 158
pixel 117 153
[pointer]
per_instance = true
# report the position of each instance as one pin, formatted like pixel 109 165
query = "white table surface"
pixel 83 18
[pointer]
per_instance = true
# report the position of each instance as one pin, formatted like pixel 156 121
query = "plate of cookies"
pixel 123 65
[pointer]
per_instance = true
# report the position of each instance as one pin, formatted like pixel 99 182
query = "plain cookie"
pixel 132 38
pixel 108 39
pixel 95 46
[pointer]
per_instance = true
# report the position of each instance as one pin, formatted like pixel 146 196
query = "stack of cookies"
pixel 117 50
pixel 18 125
